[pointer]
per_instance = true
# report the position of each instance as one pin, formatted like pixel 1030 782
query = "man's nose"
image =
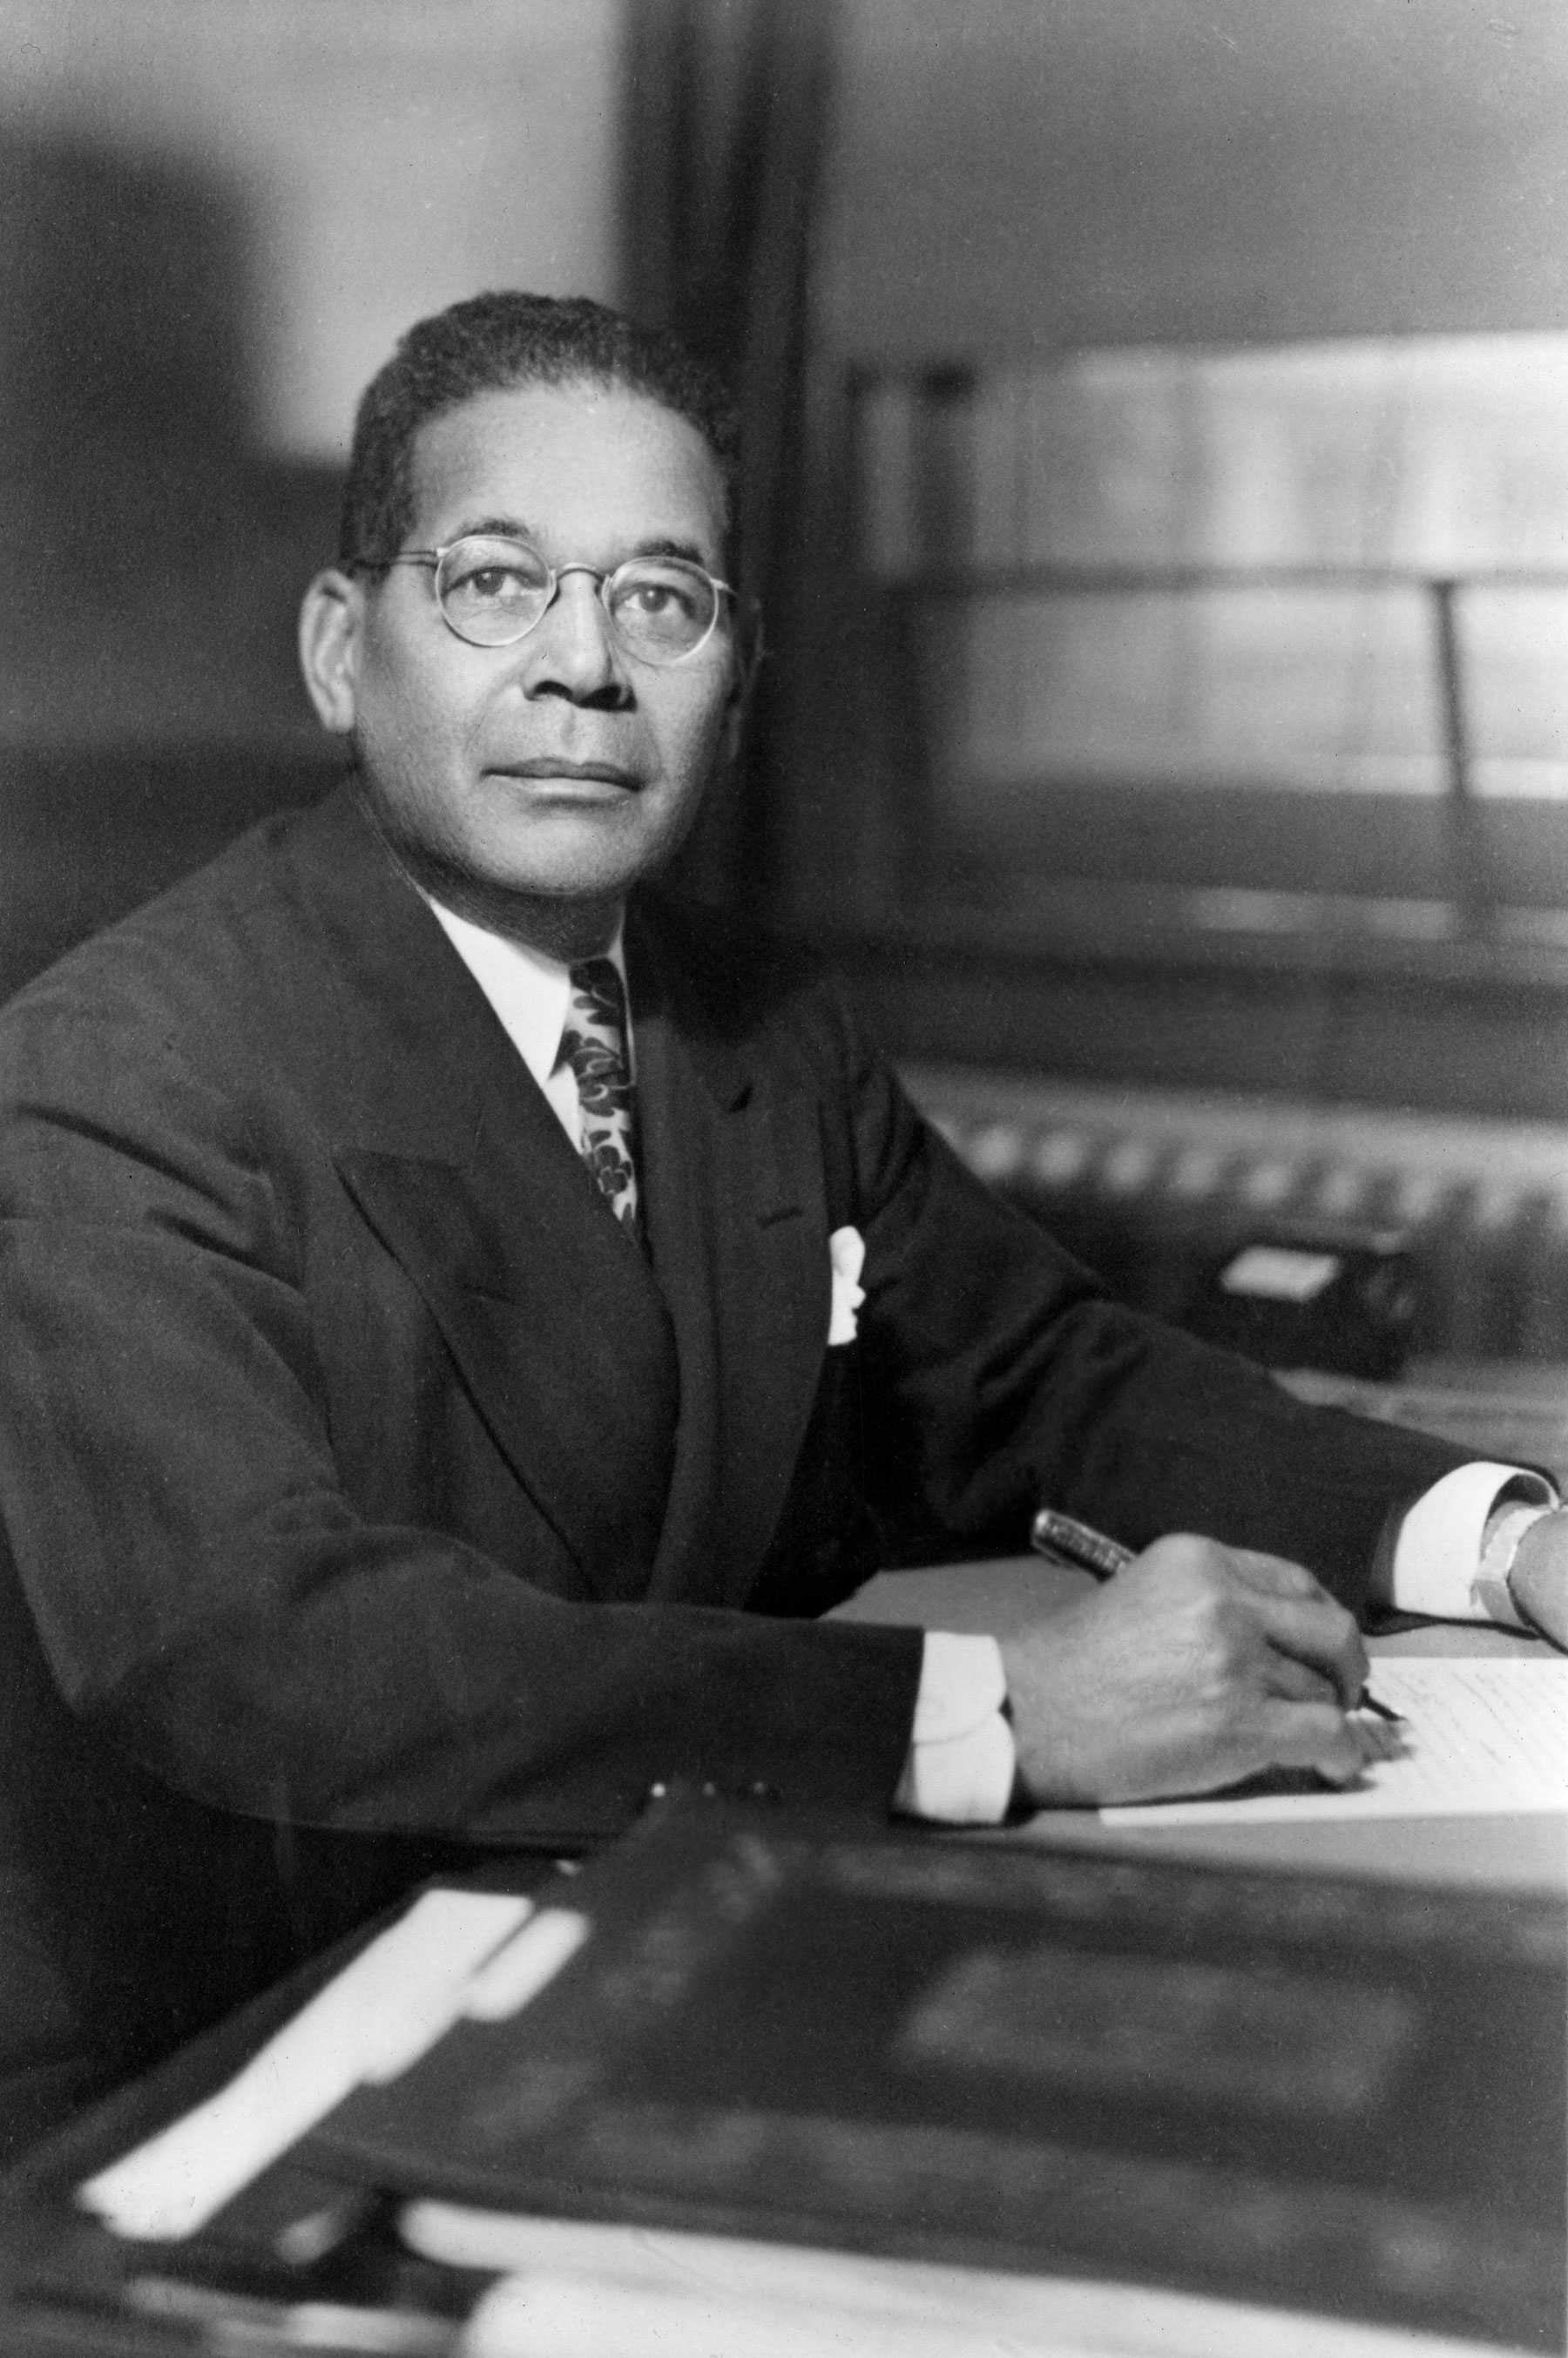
pixel 571 650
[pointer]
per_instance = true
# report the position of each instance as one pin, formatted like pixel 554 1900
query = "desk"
pixel 939 2306
pixel 1140 2286
pixel 1510 1854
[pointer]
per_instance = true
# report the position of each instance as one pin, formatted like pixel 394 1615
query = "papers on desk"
pixel 567 2289
pixel 1484 1738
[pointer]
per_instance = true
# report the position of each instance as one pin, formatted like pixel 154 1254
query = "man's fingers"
pixel 1330 1642
pixel 1316 1737
pixel 1319 1633
pixel 1538 1577
pixel 1274 1575
pixel 1295 1681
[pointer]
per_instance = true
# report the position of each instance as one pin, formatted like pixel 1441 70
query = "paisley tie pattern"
pixel 593 1042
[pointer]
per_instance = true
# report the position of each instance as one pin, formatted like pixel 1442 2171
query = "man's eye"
pixel 495 584
pixel 657 599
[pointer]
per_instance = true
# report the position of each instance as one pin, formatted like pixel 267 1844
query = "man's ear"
pixel 731 727
pixel 330 619
pixel 746 662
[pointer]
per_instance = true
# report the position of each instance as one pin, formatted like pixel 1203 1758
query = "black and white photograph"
pixel 783 1178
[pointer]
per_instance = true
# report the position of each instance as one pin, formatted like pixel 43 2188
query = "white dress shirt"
pixel 530 994
pixel 961 1762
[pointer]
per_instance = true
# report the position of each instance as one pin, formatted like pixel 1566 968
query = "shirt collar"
pixel 529 991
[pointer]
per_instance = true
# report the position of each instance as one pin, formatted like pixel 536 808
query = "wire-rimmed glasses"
pixel 492 591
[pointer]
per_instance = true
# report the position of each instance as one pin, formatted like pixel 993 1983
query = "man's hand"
pixel 1196 1667
pixel 1538 1576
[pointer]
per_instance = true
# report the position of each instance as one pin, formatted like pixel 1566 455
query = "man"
pixel 433 1414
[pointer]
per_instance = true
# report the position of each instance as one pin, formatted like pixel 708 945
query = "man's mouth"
pixel 554 767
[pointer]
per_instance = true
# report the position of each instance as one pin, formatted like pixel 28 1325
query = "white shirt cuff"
pixel 1444 1565
pixel 961 1765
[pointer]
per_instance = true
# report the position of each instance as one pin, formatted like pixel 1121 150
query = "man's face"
pixel 558 770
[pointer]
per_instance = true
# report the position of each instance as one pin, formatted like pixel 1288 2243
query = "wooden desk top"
pixel 1510 1854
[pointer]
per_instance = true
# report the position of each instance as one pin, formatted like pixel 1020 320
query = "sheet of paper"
pixel 570 2285
pixel 1480 1737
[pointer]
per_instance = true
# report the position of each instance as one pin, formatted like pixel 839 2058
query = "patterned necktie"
pixel 593 1042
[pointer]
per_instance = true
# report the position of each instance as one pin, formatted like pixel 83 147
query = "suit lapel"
pixel 737 1224
pixel 564 1339
pixel 458 1164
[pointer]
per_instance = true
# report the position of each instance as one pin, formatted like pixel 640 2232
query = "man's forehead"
pixel 580 457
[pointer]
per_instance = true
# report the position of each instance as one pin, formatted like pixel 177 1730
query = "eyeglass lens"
pixel 494 592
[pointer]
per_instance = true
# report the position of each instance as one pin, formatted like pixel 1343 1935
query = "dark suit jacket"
pixel 370 1490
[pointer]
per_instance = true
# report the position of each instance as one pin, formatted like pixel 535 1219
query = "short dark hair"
pixel 490 343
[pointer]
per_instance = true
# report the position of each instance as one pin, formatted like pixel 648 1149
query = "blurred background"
pixel 1157 477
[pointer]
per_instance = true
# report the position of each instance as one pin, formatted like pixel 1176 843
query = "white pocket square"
pixel 847 1251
